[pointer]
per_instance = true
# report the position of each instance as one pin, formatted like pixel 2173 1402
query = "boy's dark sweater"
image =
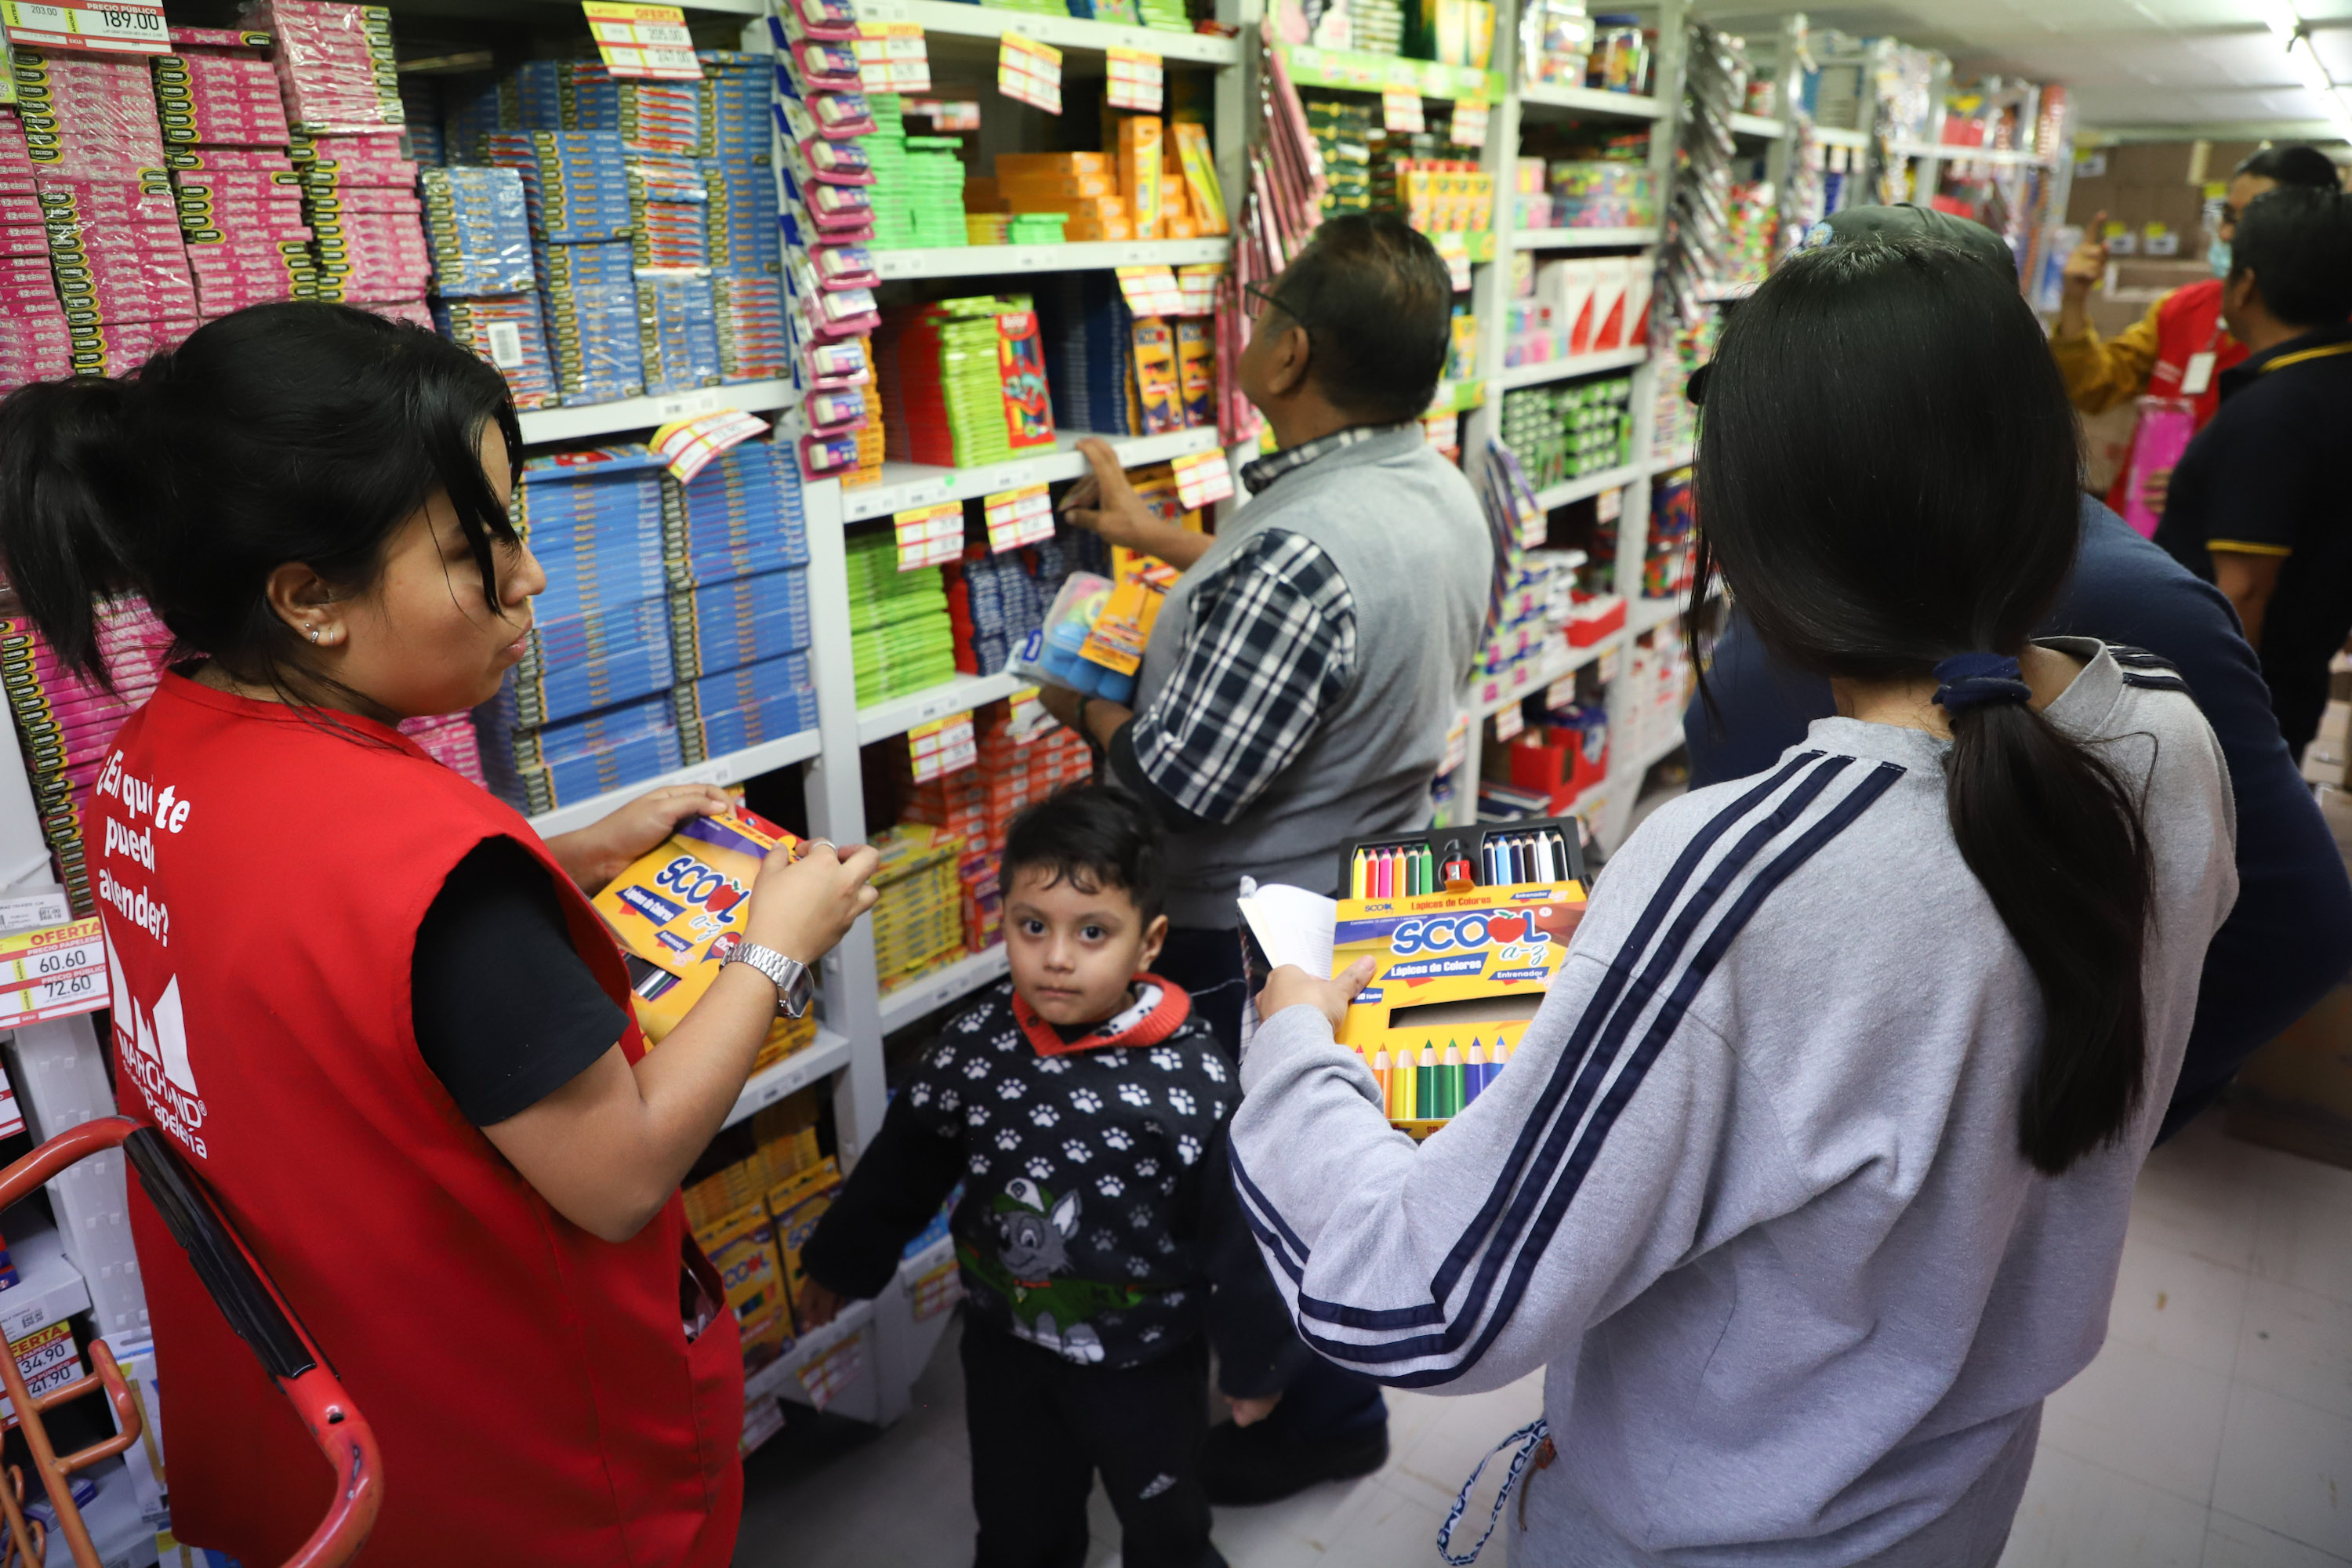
pixel 1098 1219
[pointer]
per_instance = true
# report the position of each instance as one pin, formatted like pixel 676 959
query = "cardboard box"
pixel 2295 1093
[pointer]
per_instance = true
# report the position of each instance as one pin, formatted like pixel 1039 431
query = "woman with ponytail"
pixel 1808 1182
pixel 372 1009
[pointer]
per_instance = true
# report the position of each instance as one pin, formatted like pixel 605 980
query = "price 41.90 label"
pixel 942 747
pixel 929 535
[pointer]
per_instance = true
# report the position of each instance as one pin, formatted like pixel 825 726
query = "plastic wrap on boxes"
pixel 218 96
pixel 744 620
pixel 678 331
pixel 478 230
pixel 650 116
pixel 506 331
pixel 575 184
pixel 741 516
pixel 89 116
pixel 334 63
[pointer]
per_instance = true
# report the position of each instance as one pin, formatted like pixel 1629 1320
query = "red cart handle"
pixel 253 1308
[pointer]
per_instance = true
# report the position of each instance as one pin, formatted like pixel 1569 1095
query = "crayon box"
pixel 679 910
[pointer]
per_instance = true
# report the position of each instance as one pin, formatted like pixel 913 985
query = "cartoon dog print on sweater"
pixel 1050 1308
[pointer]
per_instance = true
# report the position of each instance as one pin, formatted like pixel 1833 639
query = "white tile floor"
pixel 2213 1431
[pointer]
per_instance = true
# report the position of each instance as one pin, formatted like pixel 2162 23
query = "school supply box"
pixel 679 910
pixel 1466 928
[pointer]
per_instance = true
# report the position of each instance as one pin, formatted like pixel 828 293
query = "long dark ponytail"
pixel 1889 477
pixel 283 433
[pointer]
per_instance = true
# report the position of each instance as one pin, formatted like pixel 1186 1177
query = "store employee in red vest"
pixel 2182 346
pixel 372 1008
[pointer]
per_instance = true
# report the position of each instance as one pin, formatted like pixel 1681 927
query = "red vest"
pixel 2188 321
pixel 262 878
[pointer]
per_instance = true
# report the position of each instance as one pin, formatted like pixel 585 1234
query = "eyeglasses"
pixel 1256 297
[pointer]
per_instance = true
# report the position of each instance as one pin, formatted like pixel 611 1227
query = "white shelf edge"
pixel 772 1380
pixel 1831 136
pixel 1578 658
pixel 906 485
pixel 900 714
pixel 1965 154
pixel 1649 615
pixel 982 260
pixel 543 425
pixel 1594 100
pixel 1576 490
pixel 829 1053
pixel 1680 458
pixel 941 987
pixel 1761 125
pixel 729 767
pixel 1062 32
pixel 49 1287
pixel 1581 239
pixel 1566 369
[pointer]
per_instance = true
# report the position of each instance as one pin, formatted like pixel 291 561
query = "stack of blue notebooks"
pixel 590 291
pixel 745 706
pixel 737 551
pixel 574 182
pixel 1089 341
pixel 478 230
pixel 741 516
pixel 724 625
pixel 677 330
pixel 736 174
pixel 537 770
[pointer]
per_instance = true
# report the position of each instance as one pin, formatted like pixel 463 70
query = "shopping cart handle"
pixel 219 1259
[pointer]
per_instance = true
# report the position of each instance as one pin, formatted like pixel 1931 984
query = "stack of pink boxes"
pixel 115 254
pixel 35 343
pixel 240 198
pixel 335 68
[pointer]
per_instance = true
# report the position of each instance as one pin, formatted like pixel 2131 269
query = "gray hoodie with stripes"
pixel 1749 1190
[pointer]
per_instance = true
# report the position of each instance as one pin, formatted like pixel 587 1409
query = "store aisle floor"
pixel 2213 1431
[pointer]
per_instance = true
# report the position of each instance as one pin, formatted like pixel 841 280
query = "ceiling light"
pixel 2306 66
pixel 2279 17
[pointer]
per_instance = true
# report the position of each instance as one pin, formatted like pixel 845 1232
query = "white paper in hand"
pixel 1293 925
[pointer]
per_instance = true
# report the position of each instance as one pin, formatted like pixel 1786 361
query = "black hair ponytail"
pixel 1889 477
pixel 295 432
pixel 69 480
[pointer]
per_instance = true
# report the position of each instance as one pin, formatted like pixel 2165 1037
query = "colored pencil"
pixel 1380 1073
pixel 1356 877
pixel 1401 1085
pixel 1424 1084
pixel 1449 1081
pixel 1474 1071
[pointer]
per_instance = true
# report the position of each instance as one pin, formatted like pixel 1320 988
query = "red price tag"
pixel 1152 290
pixel 1202 478
pixel 1030 71
pixel 1400 109
pixel 647 42
pixel 1138 80
pixel 108 27
pixel 1510 722
pixel 929 535
pixel 1016 518
pixel 942 747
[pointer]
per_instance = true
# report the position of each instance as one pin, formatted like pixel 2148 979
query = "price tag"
pixel 893 57
pixel 1560 693
pixel 1202 478
pixel 688 444
pixel 1152 290
pixel 108 26
pixel 1030 71
pixel 1027 718
pixel 1609 505
pixel 937 1292
pixel 1016 518
pixel 1401 108
pixel 1457 742
pixel 649 42
pixel 1138 80
pixel 942 747
pixel 23 911
pixel 929 535
pixel 1197 284
pixel 1510 722
pixel 1606 666
pixel 1453 249
pixel 1468 126
pixel 53 972
pixel 827 1374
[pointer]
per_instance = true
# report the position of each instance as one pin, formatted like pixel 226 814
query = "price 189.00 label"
pixel 109 26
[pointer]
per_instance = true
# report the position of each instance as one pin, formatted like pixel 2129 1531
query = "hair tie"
pixel 1976 679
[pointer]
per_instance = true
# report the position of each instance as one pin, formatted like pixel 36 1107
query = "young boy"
pixel 1084 1107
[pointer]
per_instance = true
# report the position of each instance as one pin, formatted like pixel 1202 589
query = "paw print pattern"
pixel 950 1102
pixel 1211 1066
pixel 1074 1150
pixel 975 1068
pixel 1167 1184
pixel 1005 1041
pixel 976 1117
pixel 1183 1103
pixel 1146 1169
pixel 1102 1240
pixel 1056 1066
pixel 1110 1057
pixel 1165 1059
pixel 1153 1335
pixel 980 1164
pixel 1173 1299
pixel 1008 1139
pixel 1044 1115
pixel 1009 1089
pixel 1167 1245
pixel 1138 1268
pixel 1117 1138
pixel 1110 1186
pixel 1217 1110
pixel 1140 1216
pixel 969 1024
pixel 1085 1100
pixel 1135 1094
pixel 920 1095
pixel 1038 1167
pixel 1188 1148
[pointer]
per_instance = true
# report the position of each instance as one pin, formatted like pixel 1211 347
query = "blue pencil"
pixel 1474 1071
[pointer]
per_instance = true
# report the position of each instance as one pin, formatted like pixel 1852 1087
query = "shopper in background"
pixel 1807 1182
pixel 1083 1105
pixel 2288 940
pixel 1300 680
pixel 381 1023
pixel 2259 507
pixel 2179 348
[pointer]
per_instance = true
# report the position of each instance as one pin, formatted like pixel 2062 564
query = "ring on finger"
pixel 811 846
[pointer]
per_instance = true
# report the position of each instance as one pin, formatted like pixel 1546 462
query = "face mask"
pixel 2217 257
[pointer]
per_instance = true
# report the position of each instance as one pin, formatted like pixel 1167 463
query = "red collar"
pixel 1165 1017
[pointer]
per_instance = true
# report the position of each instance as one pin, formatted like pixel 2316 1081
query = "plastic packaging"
pixel 2166 424
pixel 1093 637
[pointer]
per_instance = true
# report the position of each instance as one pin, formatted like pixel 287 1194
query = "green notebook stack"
pixel 894 214
pixel 1168 16
pixel 1036 228
pixel 971 383
pixel 934 190
pixel 901 639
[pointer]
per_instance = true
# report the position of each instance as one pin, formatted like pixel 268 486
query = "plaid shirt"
pixel 1272 645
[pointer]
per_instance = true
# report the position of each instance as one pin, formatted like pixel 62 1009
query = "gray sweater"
pixel 1751 1191
pixel 1407 535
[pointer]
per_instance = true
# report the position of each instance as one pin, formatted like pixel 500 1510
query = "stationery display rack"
pixel 58 1068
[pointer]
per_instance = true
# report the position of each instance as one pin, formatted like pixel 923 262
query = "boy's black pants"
pixel 1040 1427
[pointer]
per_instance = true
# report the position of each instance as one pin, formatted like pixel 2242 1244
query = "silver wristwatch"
pixel 794 982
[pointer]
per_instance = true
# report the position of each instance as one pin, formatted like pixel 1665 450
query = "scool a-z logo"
pixel 1453 933
pixel 713 892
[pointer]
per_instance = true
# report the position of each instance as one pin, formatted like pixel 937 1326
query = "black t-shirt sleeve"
pixel 506 1010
